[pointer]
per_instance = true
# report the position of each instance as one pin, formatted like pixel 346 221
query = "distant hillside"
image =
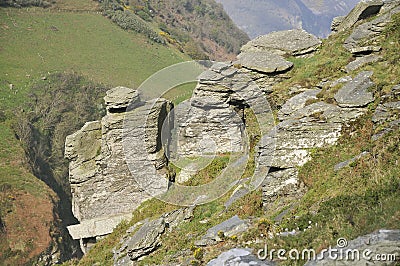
pixel 200 28
pixel 258 17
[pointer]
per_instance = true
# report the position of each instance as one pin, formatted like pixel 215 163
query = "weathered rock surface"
pixel 229 228
pixel 291 42
pixel 303 127
pixel 120 98
pixel 297 102
pixel 363 10
pixel 281 188
pixel 385 242
pixel 102 185
pixel 367 32
pixel 265 62
pixel 295 136
pixel 238 256
pixel 213 120
pixel 355 93
pixel 362 61
pixel 148 237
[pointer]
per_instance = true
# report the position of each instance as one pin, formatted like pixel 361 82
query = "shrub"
pixel 129 21
pixel 198 254
pixel 25 3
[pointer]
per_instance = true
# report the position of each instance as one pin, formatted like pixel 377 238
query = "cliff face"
pixel 102 186
pixel 219 119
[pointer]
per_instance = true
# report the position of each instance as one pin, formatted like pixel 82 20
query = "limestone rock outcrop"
pixel 363 10
pixel 102 185
pixel 215 121
pixel 361 40
pixel 290 42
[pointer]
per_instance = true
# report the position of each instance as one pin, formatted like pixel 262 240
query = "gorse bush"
pixel 129 21
pixel 25 3
pixel 59 106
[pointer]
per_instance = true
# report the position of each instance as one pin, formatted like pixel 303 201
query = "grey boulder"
pixel 355 93
pixel 291 42
pixel 265 62
pixel 121 97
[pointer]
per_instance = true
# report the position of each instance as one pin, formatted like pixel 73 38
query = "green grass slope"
pixel 38 41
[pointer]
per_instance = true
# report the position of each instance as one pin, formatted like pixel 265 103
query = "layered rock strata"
pixel 104 190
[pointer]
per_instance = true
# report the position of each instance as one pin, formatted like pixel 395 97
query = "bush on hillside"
pixel 59 106
pixel 129 21
pixel 26 3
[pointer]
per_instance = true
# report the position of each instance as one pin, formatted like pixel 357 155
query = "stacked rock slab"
pixel 104 191
pixel 363 41
pixel 215 112
pixel 306 126
pixel 302 126
pixel 228 88
pixel 362 10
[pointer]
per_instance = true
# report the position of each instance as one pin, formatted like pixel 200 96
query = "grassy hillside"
pixel 38 41
pixel 200 28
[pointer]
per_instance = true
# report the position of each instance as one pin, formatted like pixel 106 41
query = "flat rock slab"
pixel 121 97
pixel 362 61
pixel 342 165
pixel 236 195
pixel 229 227
pixel 365 49
pixel 146 239
pixel 291 42
pixel 380 242
pixel 355 93
pixel 265 62
pixel 297 102
pixel 209 75
pixel 238 256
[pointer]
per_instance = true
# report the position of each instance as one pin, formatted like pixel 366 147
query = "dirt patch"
pixel 28 221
